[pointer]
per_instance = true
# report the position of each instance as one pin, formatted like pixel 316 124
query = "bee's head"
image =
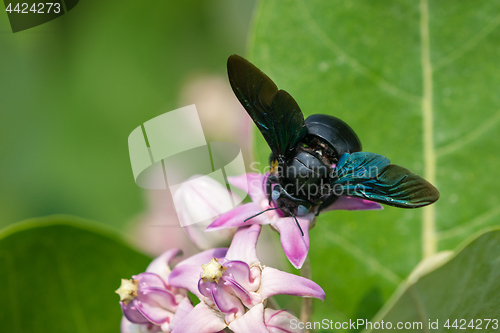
pixel 288 204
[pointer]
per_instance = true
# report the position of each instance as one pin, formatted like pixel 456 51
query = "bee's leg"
pixel 298 225
pixel 266 210
pixel 271 179
pixel 328 201
pixel 269 191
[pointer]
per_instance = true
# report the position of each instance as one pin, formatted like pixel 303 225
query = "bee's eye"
pixel 275 195
pixel 302 210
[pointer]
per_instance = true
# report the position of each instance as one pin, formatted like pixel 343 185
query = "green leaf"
pixel 59 274
pixel 419 83
pixel 465 288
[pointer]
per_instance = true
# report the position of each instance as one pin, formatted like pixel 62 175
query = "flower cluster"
pixel 231 285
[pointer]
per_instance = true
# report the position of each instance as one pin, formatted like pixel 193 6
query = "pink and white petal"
pixel 204 257
pixel 186 277
pixel 160 297
pixel 150 280
pixel 351 203
pixel 251 182
pixel 252 321
pixel 156 305
pixel 227 303
pixel 279 321
pixel 205 288
pixel 132 314
pixel 294 244
pixel 243 246
pixel 236 217
pixel 248 278
pixel 160 265
pixel 128 327
pixel 202 319
pixel 276 282
pixel 182 311
pixel 248 298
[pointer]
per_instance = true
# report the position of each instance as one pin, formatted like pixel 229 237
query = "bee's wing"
pixel 274 111
pixel 371 176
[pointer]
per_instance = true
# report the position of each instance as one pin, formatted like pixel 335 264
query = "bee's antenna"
pixel 298 225
pixel 251 217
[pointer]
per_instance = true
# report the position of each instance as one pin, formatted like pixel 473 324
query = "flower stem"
pixel 306 309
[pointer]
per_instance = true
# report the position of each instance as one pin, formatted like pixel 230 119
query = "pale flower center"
pixel 212 271
pixel 128 290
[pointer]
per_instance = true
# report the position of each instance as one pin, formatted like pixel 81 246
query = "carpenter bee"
pixel 315 161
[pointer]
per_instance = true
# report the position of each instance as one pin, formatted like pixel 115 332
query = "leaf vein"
pixel 467 46
pixel 14 305
pixel 465 228
pixel 470 137
pixel 72 301
pixel 353 63
pixel 429 240
pixel 365 258
pixel 419 306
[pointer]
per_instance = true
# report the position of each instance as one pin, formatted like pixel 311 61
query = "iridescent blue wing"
pixel 371 176
pixel 274 111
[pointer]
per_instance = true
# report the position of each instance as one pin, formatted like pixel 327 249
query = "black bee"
pixel 315 161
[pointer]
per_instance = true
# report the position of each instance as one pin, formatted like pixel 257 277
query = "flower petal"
pixel 157 305
pixel 132 314
pixel 201 198
pixel 187 277
pixel 294 244
pixel 251 182
pixel 182 311
pixel 205 288
pixel 248 298
pixel 237 216
pixel 252 321
pixel 160 265
pixel 202 319
pixel 128 327
pixel 199 201
pixel 204 257
pixel 243 245
pixel 248 278
pixel 163 298
pixel 276 282
pixel 226 303
pixel 150 280
pixel 351 203
pixel 279 321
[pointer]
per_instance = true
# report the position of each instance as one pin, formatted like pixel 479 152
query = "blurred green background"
pixel 72 90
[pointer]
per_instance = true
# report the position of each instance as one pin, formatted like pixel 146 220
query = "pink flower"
pixel 149 303
pixel 234 287
pixel 294 244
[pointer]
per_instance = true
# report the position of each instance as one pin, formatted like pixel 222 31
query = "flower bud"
pixel 198 202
